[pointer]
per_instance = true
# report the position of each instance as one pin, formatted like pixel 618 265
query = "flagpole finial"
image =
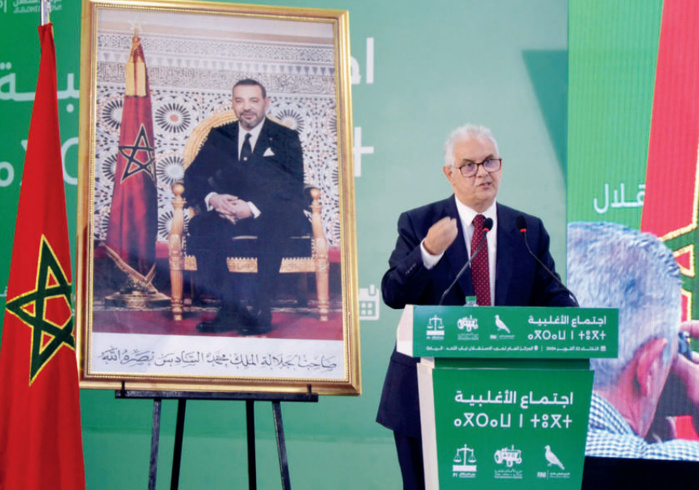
pixel 136 26
pixel 45 12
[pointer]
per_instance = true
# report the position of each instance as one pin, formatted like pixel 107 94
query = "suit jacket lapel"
pixel 263 140
pixel 457 255
pixel 507 242
pixel 233 131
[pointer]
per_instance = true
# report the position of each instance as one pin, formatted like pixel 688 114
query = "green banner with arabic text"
pixel 506 425
pixel 514 332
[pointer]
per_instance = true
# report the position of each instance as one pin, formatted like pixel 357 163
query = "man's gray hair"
pixel 611 265
pixel 465 132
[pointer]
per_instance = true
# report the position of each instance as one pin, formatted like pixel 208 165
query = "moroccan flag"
pixel 634 107
pixel 40 434
pixel 672 175
pixel 133 221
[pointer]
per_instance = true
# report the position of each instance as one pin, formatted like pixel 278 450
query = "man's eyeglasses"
pixel 490 165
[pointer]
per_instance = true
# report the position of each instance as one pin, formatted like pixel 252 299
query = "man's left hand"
pixel 241 210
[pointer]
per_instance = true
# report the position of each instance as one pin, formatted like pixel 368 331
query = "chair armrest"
pixel 177 226
pixel 320 244
pixel 175 254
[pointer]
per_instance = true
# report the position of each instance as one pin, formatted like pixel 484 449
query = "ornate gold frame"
pixel 94 12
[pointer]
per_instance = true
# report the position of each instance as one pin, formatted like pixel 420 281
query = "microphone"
pixel 487 225
pixel 522 225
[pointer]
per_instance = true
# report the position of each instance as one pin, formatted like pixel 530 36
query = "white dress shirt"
pixel 466 216
pixel 254 135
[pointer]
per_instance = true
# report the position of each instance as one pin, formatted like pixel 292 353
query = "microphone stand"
pixel 523 231
pixel 468 262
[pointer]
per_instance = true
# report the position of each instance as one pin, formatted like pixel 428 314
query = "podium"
pixel 505 391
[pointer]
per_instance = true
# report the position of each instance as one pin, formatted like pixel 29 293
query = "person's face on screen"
pixel 657 377
pixel 478 191
pixel 249 105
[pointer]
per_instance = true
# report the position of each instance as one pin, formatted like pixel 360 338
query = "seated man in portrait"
pixel 247 180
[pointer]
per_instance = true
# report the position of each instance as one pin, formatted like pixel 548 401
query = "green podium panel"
pixel 505 392
pixel 499 424
pixel 508 332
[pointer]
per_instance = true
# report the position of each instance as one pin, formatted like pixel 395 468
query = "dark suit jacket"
pixel 272 179
pixel 520 281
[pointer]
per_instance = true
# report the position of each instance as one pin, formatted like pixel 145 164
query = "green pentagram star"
pixel 31 308
pixel 130 152
pixel 687 241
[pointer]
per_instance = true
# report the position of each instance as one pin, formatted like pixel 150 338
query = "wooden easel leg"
pixel 182 397
pixel 177 454
pixel 250 417
pixel 281 445
pixel 154 442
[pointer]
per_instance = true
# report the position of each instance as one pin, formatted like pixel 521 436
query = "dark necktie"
pixel 246 151
pixel 479 267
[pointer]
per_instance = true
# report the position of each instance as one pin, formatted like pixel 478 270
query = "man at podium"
pixel 434 243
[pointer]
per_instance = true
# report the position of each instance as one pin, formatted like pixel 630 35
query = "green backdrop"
pixel 425 68
pixel 612 69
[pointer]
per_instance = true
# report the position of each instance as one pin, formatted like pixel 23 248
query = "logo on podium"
pixel 464 462
pixel 435 328
pixel 467 323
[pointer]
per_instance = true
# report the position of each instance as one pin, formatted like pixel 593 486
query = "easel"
pixel 249 398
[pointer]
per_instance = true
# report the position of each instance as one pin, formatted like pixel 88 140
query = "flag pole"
pixel 45 12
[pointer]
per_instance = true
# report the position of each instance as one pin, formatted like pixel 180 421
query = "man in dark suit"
pixel 247 179
pixel 434 243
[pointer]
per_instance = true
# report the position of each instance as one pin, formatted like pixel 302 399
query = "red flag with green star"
pixel 40 433
pixel 133 220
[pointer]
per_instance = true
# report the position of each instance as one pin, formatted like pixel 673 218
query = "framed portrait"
pixel 216 242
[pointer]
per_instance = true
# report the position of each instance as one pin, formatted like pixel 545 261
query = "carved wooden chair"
pixel 315 262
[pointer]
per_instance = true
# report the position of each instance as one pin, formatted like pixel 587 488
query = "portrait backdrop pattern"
pixel 189 84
